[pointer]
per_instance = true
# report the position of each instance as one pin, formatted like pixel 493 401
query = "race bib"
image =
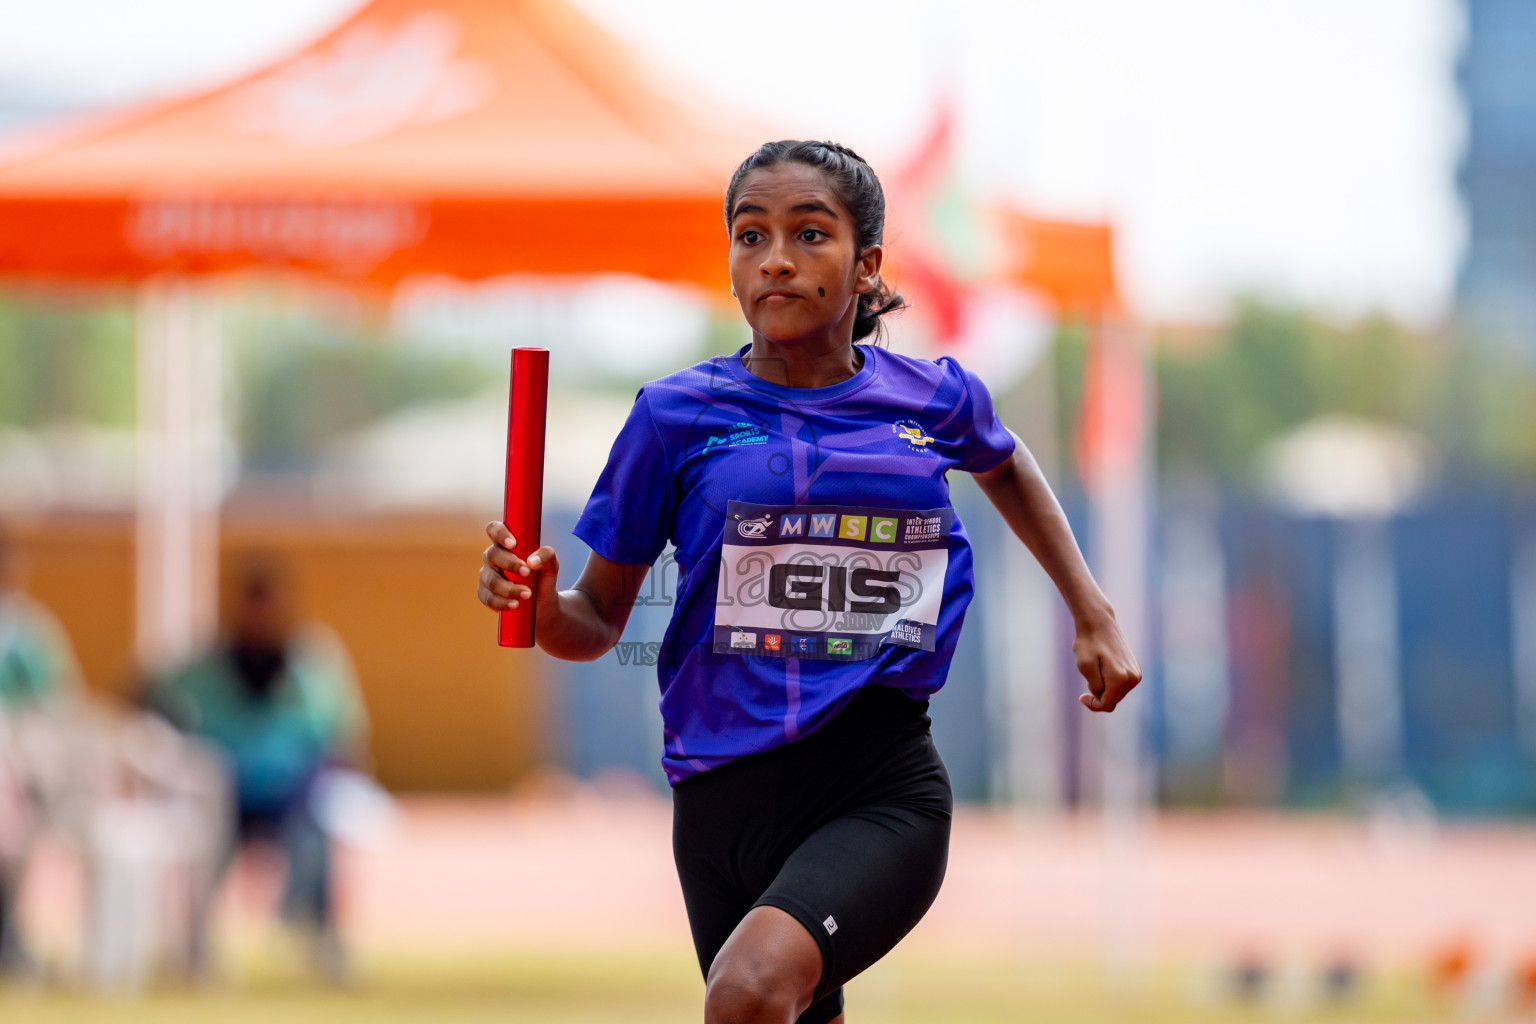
pixel 829 582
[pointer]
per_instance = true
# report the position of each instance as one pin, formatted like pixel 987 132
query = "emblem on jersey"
pixel 743 432
pixel 743 638
pixel 911 433
pixel 754 528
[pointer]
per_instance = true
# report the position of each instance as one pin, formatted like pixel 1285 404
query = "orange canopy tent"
pixel 467 137
pixel 461 137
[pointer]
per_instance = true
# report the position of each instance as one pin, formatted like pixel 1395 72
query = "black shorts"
pixel 846 829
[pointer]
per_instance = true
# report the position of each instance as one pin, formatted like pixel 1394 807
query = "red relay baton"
pixel 524 504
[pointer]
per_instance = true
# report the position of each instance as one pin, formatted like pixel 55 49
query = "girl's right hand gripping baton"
pixel 524 481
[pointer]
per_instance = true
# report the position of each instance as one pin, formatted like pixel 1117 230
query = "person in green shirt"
pixel 37 663
pixel 280 702
pixel 38 677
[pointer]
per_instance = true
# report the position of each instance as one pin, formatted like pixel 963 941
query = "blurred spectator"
pixel 280 701
pixel 39 679
pixel 149 810
pixel 37 664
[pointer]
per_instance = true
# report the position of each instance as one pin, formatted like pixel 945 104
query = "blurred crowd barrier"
pixel 143 809
pixel 1296 659
pixel 450 710
pixel 256 737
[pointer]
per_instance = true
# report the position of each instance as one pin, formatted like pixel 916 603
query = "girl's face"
pixel 795 264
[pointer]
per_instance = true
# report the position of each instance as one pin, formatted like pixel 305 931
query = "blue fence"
pixel 1451 584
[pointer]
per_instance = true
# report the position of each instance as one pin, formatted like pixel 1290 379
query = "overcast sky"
pixel 1304 148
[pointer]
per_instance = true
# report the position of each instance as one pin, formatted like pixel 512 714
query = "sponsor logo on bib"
pixel 753 527
pixel 829 581
pixel 923 527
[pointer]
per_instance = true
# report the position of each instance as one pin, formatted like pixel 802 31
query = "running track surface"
pixel 572 866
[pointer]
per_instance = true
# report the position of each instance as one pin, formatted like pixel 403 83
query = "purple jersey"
pixel 883 440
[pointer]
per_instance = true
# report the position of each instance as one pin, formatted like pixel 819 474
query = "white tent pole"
pixel 1369 697
pixel 1028 654
pixel 1121 504
pixel 179 407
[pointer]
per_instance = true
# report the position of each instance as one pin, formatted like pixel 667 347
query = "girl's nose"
pixel 776 262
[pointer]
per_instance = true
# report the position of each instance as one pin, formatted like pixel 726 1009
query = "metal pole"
pixel 1522 586
pixel 1370 703
pixel 1023 631
pixel 1120 489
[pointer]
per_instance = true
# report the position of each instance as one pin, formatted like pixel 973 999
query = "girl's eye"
pixel 750 237
pixel 809 234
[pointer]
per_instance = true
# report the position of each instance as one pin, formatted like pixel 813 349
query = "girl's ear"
pixel 867 270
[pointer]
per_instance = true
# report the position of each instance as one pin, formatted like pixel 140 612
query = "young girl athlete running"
pixel 822 581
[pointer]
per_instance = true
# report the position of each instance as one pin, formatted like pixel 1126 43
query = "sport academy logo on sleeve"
pixel 740 433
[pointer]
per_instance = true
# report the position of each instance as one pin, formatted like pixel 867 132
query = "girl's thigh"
pixel 862 881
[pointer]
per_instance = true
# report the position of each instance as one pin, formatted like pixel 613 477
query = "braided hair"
pixel 860 193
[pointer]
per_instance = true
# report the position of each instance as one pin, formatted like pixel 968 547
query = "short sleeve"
pixel 48 669
pixel 985 443
pixel 332 701
pixel 630 514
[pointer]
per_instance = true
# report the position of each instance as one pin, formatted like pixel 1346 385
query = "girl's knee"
pixel 740 998
pixel 743 990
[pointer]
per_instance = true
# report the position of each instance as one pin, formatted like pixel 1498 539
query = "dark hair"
pixel 857 189
pixel 261 575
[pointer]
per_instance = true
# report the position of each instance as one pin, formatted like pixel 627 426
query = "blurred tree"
pixel 65 359
pixel 296 398
pixel 306 367
pixel 1069 351
pixel 1272 367
pixel 302 373
pixel 1486 414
